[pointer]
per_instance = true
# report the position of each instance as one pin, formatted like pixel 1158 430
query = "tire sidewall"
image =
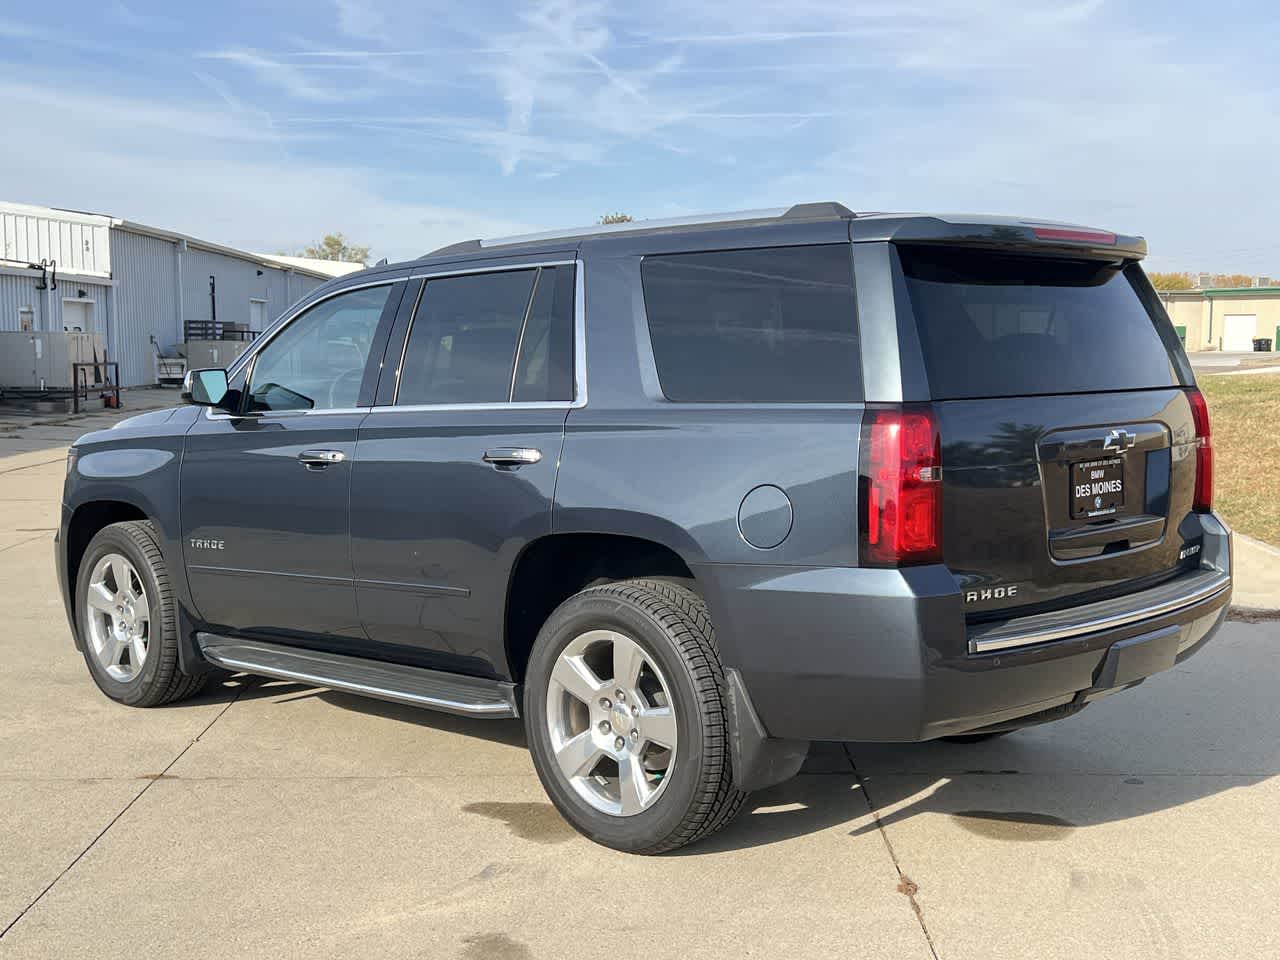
pixel 112 540
pixel 648 828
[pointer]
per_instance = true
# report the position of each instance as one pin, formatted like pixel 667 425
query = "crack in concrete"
pixel 906 886
pixel 138 796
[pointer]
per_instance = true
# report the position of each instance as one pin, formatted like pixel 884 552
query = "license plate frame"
pixel 1097 488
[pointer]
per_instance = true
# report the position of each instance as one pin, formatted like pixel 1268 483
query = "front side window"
pixel 767 325
pixel 318 361
pixel 491 338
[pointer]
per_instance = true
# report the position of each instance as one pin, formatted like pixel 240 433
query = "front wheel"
pixel 128 618
pixel 626 717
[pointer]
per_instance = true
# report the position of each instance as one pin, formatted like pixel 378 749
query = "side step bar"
pixel 416 686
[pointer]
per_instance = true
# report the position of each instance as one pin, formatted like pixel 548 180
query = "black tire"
pixel 671 624
pixel 160 680
pixel 976 737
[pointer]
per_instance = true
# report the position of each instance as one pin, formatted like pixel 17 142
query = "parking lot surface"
pixel 267 819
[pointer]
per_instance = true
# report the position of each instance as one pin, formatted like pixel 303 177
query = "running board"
pixel 416 686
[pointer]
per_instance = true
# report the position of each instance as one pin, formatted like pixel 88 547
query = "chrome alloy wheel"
pixel 119 617
pixel 612 722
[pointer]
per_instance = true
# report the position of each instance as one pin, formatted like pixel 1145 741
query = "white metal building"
pixel 138 287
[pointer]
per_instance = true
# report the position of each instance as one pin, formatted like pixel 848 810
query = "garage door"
pixel 1238 331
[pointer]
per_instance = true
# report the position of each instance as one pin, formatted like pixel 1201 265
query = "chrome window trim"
pixel 445 271
pixel 579 346
pixel 579 343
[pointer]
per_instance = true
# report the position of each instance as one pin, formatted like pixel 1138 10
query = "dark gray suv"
pixel 685 496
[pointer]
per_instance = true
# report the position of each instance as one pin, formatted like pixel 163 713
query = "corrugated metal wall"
pixel 147 292
pixel 17 292
pixel 237 283
pixel 78 242
pixel 146 303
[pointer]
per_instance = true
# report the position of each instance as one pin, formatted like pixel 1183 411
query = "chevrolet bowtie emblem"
pixel 1118 441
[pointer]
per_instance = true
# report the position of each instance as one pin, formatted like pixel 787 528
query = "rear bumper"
pixel 858 654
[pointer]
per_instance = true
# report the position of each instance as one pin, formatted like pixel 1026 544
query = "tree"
pixel 616 218
pixel 1170 281
pixel 335 247
pixel 1232 280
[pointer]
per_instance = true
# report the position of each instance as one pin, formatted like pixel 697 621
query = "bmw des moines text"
pixel 685 496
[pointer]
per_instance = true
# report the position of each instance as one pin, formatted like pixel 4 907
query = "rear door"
pixel 1068 445
pixel 456 466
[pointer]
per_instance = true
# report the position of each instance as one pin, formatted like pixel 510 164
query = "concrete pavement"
pixel 268 819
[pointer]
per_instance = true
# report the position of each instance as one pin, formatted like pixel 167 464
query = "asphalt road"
pixel 274 820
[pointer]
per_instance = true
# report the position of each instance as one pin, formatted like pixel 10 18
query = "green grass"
pixel 1245 415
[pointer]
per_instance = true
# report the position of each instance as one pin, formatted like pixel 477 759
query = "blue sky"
pixel 413 124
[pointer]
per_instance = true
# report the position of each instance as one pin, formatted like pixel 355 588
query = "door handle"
pixel 512 456
pixel 319 459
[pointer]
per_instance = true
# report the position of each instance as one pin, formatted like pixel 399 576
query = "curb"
pixel 1260 544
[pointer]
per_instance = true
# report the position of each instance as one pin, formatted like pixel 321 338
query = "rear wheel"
pixel 625 714
pixel 128 619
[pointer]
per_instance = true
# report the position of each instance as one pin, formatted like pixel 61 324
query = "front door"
pixel 455 472
pixel 265 492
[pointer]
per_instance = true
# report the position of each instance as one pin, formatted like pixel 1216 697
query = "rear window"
pixel 1001 325
pixel 769 325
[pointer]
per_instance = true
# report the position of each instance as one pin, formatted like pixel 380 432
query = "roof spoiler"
pixel 1002 233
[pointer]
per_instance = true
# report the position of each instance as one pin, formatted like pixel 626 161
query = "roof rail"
pixel 799 211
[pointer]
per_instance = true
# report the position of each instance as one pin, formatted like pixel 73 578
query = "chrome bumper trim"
pixel 1106 615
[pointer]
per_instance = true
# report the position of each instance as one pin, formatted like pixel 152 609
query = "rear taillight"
pixel 1203 501
pixel 900 487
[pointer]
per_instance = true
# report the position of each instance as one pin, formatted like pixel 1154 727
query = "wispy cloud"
pixel 361 19
pixel 185 166
pixel 285 76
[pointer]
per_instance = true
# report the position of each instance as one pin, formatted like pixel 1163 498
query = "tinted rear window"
pixel 774 324
pixel 1000 325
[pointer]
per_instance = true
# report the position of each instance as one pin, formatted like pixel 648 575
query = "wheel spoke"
pixel 578 679
pixel 628 659
pixel 102 599
pixel 137 651
pixel 141 608
pixel 633 789
pixel 120 573
pixel 658 724
pixel 578 755
pixel 117 646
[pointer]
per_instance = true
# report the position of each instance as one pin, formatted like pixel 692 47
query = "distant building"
pixel 1225 318
pixel 140 288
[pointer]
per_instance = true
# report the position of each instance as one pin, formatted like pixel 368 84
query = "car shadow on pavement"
pixel 241 687
pixel 996 801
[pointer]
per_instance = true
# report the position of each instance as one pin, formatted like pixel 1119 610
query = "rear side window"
pixel 768 325
pixel 1002 325
pixel 544 356
pixel 491 338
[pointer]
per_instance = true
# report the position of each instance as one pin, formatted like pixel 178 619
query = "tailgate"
pixel 1068 442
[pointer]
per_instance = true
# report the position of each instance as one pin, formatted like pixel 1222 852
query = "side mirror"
pixel 205 388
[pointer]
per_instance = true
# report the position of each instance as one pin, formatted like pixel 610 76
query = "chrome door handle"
pixel 512 456
pixel 319 459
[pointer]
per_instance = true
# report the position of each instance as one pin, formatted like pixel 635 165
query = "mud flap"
pixel 759 760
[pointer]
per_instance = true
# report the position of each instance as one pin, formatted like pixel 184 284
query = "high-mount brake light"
pixel 900 487
pixel 1074 235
